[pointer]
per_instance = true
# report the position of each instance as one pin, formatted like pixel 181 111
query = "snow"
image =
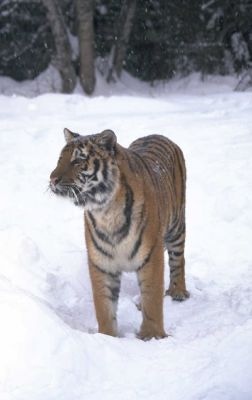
pixel 49 348
pixel 49 81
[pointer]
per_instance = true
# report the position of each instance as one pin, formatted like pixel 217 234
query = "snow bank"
pixel 49 81
pixel 49 348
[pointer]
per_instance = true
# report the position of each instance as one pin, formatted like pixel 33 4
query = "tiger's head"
pixel 87 171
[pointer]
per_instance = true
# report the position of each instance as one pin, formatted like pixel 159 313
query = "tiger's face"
pixel 87 171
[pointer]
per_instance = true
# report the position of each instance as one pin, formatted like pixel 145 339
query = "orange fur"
pixel 134 202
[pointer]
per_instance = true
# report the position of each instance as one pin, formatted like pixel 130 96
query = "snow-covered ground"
pixel 49 348
pixel 49 81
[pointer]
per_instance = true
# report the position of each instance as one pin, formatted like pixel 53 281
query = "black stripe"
pixel 122 232
pixel 128 158
pixel 174 268
pixel 110 274
pixel 175 275
pixel 142 213
pixel 100 188
pixel 183 177
pixel 96 165
pixel 114 292
pixel 170 146
pixel 143 141
pixel 181 243
pixel 105 170
pixel 157 140
pixel 92 192
pixel 175 253
pixel 153 145
pixel 96 245
pixel 102 236
pixel 93 176
pixel 82 178
pixel 146 259
pixel 158 156
pixel 137 243
pixel 172 238
pixel 173 225
pixel 147 167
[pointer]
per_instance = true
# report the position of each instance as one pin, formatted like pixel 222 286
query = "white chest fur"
pixel 116 240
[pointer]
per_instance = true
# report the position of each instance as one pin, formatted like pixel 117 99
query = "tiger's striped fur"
pixel 134 205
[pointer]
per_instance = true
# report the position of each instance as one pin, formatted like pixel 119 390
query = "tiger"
pixel 134 208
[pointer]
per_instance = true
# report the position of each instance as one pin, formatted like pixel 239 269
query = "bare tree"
pixel 85 15
pixel 246 80
pixel 62 44
pixel 123 30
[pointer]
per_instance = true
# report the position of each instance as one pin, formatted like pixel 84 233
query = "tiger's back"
pixel 163 161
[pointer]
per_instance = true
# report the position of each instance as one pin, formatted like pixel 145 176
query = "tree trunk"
pixel 85 12
pixel 122 35
pixel 62 44
pixel 245 82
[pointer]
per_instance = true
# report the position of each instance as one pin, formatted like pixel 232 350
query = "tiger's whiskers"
pixel 74 194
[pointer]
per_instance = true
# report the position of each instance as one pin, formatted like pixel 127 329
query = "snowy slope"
pixel 49 348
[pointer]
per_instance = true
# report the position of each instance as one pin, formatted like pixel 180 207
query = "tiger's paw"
pixel 148 334
pixel 148 337
pixel 177 294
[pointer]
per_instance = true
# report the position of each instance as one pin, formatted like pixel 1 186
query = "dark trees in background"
pixel 121 38
pixel 63 57
pixel 85 16
pixel 26 43
pixel 151 39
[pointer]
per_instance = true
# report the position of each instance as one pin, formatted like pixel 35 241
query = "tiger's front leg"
pixel 151 282
pixel 106 288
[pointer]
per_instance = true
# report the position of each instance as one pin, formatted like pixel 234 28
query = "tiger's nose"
pixel 54 180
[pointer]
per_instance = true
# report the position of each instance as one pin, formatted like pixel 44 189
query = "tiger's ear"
pixel 107 139
pixel 70 135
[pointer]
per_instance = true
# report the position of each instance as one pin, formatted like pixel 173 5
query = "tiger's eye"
pixel 75 162
pixel 78 160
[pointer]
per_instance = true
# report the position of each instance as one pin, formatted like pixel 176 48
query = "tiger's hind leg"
pixel 175 244
pixel 106 287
